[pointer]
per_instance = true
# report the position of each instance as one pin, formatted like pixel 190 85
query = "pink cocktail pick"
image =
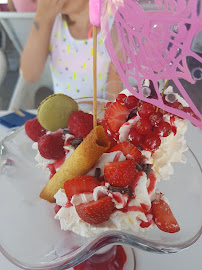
pixel 95 12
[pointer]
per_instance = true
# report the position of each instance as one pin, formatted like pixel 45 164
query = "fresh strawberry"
pixel 79 185
pixel 34 130
pixel 96 212
pixel 109 135
pixel 163 217
pixel 51 145
pixel 115 115
pixel 128 149
pixel 80 123
pixel 120 173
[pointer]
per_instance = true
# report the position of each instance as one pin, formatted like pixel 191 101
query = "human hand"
pixel 48 9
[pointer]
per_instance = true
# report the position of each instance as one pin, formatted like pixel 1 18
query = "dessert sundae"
pixel 105 178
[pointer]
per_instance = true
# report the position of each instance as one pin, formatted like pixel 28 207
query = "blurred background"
pixel 14 91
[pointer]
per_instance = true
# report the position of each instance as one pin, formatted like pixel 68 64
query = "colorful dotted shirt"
pixel 71 62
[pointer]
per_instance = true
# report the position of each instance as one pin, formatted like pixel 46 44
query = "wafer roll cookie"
pixel 79 163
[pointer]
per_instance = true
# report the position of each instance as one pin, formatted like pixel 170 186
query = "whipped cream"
pixel 118 220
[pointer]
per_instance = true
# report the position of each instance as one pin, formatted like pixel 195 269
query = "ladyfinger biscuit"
pixel 79 163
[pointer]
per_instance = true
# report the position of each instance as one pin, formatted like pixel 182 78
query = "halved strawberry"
pixel 115 115
pixel 79 185
pixel 121 173
pixel 128 149
pixel 96 212
pixel 163 216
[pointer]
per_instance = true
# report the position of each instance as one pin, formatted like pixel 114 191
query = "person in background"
pixel 62 30
pixel 22 5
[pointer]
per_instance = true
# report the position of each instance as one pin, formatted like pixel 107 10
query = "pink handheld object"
pixel 151 42
pixel 95 12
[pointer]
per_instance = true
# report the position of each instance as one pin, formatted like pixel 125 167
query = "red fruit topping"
pixel 145 224
pixel 146 109
pixel 189 111
pixel 57 208
pixel 152 141
pixel 34 130
pixel 121 98
pixel 131 102
pixel 143 126
pixel 108 133
pixel 163 217
pixel 164 129
pixel 115 115
pixel 121 173
pixel 80 123
pixel 156 118
pixel 51 145
pixel 80 184
pixel 96 212
pixel 134 137
pixel 176 105
pixel 137 177
pixel 52 169
pixel 152 182
pixel 128 149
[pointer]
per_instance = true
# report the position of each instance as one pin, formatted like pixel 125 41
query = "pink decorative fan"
pixel 156 46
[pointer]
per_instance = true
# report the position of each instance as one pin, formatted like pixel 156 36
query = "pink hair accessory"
pixel 95 12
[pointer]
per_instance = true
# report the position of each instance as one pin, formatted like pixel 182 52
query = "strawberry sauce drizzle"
pixel 115 262
pixel 172 122
pixel 152 182
pixel 117 156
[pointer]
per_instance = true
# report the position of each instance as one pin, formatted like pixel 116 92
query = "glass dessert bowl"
pixel 31 238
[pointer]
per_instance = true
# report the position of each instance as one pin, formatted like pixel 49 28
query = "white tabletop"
pixel 190 258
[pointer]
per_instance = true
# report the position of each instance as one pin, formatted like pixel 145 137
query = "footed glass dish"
pixel 31 238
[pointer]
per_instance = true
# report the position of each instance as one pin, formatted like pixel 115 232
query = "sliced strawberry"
pixel 137 177
pixel 80 184
pixel 128 149
pixel 115 115
pixel 96 212
pixel 108 133
pixel 121 173
pixel 163 216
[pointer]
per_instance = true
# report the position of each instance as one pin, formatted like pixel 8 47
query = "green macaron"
pixel 55 110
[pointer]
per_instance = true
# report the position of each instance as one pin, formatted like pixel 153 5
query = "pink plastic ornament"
pixel 95 12
pixel 155 41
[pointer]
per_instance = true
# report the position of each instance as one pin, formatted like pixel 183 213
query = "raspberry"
pixel 51 145
pixel 34 130
pixel 80 124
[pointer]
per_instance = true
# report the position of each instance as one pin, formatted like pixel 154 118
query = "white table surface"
pixel 190 258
